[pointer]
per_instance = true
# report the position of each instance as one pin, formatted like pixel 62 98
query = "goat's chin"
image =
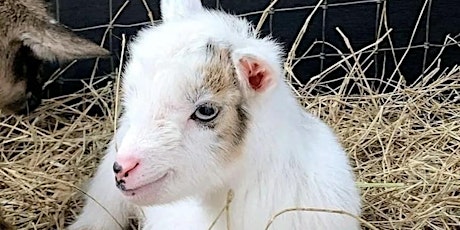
pixel 152 193
pixel 151 199
pixel 157 193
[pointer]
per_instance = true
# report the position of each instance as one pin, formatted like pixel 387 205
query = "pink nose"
pixel 124 165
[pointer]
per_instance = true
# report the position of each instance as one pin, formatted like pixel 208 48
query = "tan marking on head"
pixel 220 74
pixel 221 81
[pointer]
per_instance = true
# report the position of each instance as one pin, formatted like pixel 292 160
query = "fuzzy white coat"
pixel 287 158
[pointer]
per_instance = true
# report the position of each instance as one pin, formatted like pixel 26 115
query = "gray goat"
pixel 30 36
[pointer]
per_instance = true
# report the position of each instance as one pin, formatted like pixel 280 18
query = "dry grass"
pixel 405 147
pixel 45 154
pixel 404 144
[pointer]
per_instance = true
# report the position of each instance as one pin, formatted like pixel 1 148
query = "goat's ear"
pixel 255 73
pixel 176 9
pixel 55 42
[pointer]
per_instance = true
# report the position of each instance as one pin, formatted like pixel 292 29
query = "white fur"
pixel 289 159
pixel 110 204
pixel 179 9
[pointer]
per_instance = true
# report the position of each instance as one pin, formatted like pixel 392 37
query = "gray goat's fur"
pixel 30 36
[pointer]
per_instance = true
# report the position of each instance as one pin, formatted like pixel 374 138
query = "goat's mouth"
pixel 148 189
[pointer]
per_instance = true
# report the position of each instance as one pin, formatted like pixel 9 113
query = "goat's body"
pixel 290 166
pixel 287 159
pixel 286 165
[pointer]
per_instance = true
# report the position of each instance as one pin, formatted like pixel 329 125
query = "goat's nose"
pixel 124 165
pixel 116 167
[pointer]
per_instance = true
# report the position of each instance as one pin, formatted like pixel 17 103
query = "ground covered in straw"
pixel 404 145
pixel 403 141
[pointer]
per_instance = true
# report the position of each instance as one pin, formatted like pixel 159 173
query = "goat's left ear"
pixel 255 73
pixel 177 9
pixel 52 41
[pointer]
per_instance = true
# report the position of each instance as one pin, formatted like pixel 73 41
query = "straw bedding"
pixel 404 144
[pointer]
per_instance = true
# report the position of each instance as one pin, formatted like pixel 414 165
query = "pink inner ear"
pixel 257 75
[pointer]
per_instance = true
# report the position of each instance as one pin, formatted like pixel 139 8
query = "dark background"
pixel 358 19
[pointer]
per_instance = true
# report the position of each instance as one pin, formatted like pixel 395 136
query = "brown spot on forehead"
pixel 221 81
pixel 219 71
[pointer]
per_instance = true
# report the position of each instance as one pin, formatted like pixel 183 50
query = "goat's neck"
pixel 275 131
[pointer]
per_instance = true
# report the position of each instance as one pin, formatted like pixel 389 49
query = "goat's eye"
pixel 205 113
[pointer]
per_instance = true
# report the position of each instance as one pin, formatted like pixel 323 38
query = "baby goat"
pixel 29 37
pixel 207 111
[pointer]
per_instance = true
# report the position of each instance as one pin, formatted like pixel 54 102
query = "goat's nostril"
pixel 129 170
pixel 117 167
pixel 124 168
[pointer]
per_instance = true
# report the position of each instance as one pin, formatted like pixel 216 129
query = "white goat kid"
pixel 207 111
